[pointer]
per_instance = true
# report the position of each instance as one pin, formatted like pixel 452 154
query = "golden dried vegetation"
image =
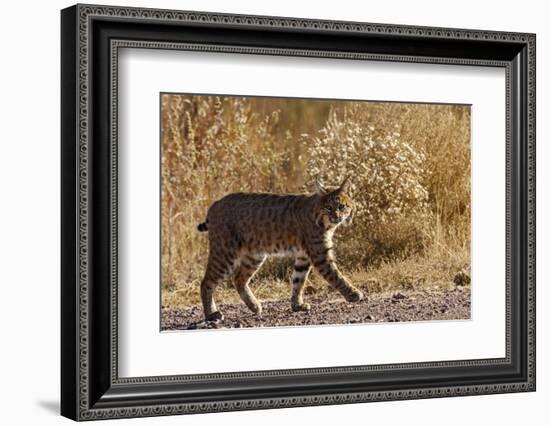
pixel 410 168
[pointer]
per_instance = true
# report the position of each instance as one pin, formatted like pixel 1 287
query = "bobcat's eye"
pixel 341 206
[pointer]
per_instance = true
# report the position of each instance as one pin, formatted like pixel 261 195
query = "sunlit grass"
pixel 410 167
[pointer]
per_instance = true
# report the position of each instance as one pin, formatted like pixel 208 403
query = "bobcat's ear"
pixel 319 187
pixel 346 186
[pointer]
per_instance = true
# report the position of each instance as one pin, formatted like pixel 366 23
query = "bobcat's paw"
pixel 214 316
pixel 256 308
pixel 354 296
pixel 301 307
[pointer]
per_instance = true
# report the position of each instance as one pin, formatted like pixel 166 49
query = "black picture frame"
pixel 90 386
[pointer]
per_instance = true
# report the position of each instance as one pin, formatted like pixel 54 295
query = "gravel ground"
pixel 380 307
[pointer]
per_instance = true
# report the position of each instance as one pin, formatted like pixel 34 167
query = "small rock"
pixel 462 278
pixel 397 297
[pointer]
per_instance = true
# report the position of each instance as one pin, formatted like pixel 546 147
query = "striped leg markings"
pixel 302 266
pixel 325 265
pixel 216 271
pixel 244 273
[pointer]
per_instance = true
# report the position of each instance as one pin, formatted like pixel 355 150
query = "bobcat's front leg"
pixel 302 266
pixel 324 263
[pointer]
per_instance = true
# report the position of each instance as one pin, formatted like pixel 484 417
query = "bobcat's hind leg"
pixel 302 266
pixel 216 271
pixel 244 273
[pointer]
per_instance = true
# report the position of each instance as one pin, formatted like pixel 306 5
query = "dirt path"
pixel 382 307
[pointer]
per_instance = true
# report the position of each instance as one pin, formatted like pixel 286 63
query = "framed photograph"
pixel 263 212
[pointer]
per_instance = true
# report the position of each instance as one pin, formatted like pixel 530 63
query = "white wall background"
pixel 29 211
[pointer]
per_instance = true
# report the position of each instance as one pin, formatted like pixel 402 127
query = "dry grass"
pixel 434 271
pixel 411 172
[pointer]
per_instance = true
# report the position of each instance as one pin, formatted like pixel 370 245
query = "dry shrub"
pixel 410 165
pixel 211 146
pixel 386 175
pixel 442 133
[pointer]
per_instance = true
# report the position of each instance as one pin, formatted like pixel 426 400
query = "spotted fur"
pixel 245 228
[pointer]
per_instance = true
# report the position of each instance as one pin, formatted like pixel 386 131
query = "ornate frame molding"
pixel 79 21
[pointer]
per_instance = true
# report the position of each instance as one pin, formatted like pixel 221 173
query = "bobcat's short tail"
pixel 202 227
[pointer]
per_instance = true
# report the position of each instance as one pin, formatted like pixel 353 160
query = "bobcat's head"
pixel 335 205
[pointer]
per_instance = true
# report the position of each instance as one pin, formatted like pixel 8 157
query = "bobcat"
pixel 245 228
